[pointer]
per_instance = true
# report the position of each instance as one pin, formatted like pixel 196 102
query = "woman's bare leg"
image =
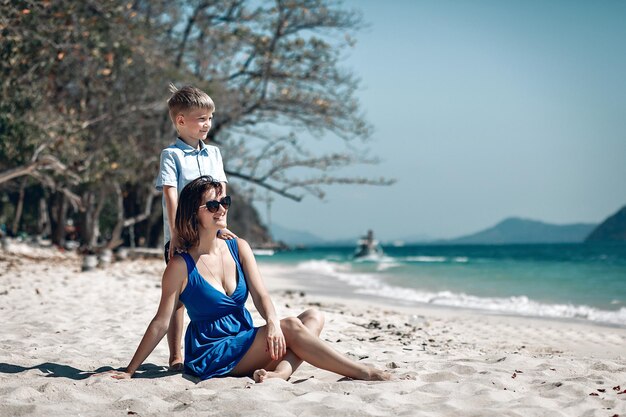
pixel 313 350
pixel 313 320
pixel 258 359
pixel 305 346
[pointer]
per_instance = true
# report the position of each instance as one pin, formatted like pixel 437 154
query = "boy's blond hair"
pixel 187 98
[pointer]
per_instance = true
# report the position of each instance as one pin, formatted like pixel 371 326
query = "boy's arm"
pixel 166 182
pixel 171 203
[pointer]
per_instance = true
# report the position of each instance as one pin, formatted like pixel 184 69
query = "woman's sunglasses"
pixel 214 205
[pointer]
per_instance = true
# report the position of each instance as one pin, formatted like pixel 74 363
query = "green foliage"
pixel 84 84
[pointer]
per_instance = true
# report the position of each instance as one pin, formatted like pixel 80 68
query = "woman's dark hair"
pixel 189 201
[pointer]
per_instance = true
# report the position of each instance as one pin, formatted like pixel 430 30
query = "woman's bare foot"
pixel 373 374
pixel 261 375
pixel 377 375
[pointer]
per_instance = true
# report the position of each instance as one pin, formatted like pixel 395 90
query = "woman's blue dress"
pixel 221 329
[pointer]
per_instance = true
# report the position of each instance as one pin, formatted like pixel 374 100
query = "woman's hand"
pixel 115 374
pixel 276 345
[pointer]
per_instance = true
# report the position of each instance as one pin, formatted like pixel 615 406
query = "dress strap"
pixel 233 247
pixel 189 261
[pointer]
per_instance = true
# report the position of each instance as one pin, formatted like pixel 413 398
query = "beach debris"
pixel 121 254
pixel 90 262
pixel 393 365
pixel 105 257
pixel 514 375
pixel 601 390
pixel 594 394
pixel 374 324
pixel 617 388
pixel 519 372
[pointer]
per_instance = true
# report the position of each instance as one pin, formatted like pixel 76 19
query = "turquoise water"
pixel 584 281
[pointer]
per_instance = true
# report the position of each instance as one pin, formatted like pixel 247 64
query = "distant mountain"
pixel 295 237
pixel 300 238
pixel 516 230
pixel 613 229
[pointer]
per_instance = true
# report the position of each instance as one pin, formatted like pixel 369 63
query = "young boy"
pixel 191 111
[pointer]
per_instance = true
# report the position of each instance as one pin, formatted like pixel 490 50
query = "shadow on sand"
pixel 55 370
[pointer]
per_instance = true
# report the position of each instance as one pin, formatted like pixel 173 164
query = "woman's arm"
pixel 262 301
pixel 174 278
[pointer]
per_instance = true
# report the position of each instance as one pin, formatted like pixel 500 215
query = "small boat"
pixel 367 248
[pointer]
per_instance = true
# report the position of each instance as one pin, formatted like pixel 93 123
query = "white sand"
pixel 58 325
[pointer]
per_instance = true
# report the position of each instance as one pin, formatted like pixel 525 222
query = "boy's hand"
pixel 226 234
pixel 172 249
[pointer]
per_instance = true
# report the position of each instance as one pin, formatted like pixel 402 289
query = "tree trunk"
pixel 116 234
pixel 19 208
pixel 154 225
pixel 90 218
pixel 43 222
pixel 58 217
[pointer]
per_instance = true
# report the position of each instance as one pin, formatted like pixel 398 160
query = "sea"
pixel 584 282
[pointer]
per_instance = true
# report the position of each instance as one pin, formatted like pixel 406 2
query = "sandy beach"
pixel 60 325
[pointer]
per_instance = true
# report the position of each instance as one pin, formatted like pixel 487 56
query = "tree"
pixel 73 71
pixel 84 86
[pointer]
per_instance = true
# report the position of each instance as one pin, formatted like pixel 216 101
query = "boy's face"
pixel 194 124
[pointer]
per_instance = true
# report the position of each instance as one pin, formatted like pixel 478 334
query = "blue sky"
pixel 482 110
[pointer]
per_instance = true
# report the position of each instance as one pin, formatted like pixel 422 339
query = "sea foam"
pixel 372 284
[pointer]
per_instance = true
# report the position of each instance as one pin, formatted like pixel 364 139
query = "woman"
pixel 212 278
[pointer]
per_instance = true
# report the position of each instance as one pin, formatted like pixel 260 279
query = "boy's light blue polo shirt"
pixel 181 164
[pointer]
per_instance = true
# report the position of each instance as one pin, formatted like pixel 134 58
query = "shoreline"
pixel 61 324
pixel 279 274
